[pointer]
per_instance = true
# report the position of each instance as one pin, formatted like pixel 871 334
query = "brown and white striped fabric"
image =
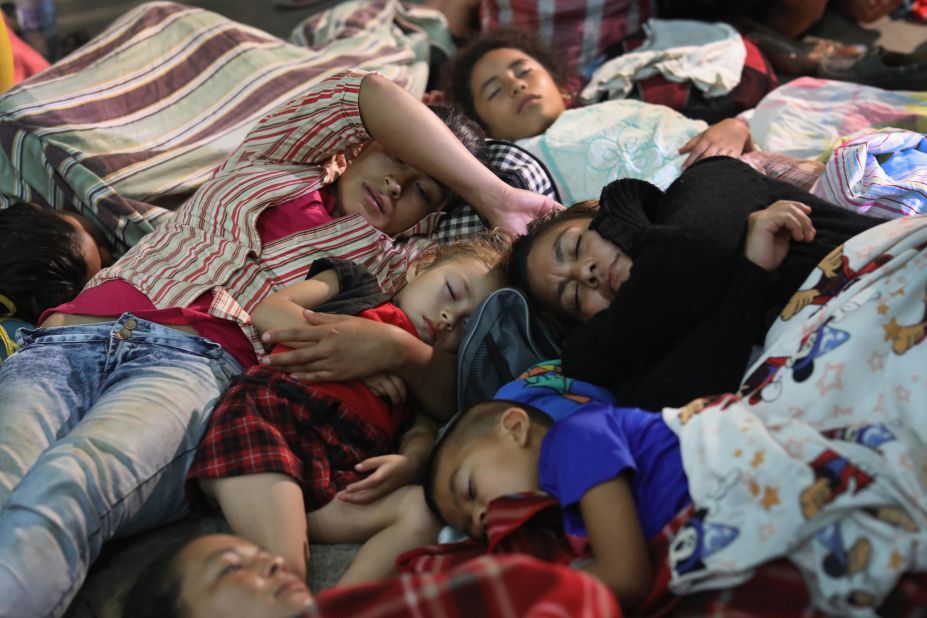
pixel 126 128
pixel 212 244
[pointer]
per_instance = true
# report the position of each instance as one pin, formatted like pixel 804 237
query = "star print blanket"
pixel 822 458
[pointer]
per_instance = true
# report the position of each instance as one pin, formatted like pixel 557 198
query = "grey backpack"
pixel 501 341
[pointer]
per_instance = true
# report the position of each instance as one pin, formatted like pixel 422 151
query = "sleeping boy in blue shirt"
pixel 617 472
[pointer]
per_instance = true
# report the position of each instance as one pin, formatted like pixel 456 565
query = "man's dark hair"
pixel 464 128
pixel 471 424
pixel 456 78
pixel 156 591
pixel 41 264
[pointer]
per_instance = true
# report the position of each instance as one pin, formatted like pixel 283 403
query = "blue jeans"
pixel 98 425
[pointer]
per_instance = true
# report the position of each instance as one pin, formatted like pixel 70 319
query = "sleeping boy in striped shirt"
pixel 129 375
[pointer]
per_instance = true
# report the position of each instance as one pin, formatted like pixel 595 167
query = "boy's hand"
pixel 387 385
pixel 770 230
pixel 730 137
pixel 388 473
pixel 520 207
pixel 332 348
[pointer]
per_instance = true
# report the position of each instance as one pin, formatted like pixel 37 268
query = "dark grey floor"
pixel 93 15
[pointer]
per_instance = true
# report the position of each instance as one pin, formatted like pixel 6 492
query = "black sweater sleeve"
pixel 677 279
pixel 709 358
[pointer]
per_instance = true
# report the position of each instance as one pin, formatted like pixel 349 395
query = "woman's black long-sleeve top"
pixel 683 324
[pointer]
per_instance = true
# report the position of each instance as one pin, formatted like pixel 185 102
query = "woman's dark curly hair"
pixel 518 262
pixel 41 264
pixel 456 78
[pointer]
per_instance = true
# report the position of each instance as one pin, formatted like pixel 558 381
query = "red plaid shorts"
pixel 268 422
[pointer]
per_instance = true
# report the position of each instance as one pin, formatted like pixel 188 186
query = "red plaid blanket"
pixel 531 524
pixel 488 586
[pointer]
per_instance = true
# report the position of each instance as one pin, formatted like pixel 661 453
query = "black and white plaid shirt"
pixel 513 164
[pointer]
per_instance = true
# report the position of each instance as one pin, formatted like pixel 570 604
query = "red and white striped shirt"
pixel 212 242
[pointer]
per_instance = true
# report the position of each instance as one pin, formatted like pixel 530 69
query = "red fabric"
pixel 353 393
pixel 115 297
pixel 269 422
pixel 532 524
pixel 488 587
pixel 301 213
pixel 569 25
pixel 26 61
pixel 756 80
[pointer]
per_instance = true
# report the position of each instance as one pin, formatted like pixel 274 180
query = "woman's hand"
pixel 769 232
pixel 334 348
pixel 387 385
pixel 730 137
pixel 387 473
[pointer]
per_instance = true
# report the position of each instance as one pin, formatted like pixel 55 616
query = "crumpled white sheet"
pixel 710 55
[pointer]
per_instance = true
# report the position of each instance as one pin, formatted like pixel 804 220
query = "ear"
pixel 414 270
pixel 567 97
pixel 516 424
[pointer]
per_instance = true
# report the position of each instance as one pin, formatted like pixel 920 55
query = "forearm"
pixel 410 131
pixel 628 594
pixel 277 314
pixel 417 442
pixel 429 374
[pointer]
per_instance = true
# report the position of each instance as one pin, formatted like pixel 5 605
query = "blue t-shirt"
pixel 596 443
pixel 546 388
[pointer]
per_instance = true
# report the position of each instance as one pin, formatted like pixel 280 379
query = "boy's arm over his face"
pixel 407 129
pixel 284 308
pixel 620 556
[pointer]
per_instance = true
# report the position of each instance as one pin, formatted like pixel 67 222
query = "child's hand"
pixel 389 472
pixel 770 230
pixel 387 385
pixel 730 137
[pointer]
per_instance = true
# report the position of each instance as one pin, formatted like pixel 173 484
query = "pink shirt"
pixel 115 297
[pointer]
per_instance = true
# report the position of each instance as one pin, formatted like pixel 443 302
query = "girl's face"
pixel 389 194
pixel 573 271
pixel 514 95
pixel 439 299
pixel 224 575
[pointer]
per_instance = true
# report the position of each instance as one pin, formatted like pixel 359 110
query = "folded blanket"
pixel 880 173
pixel 710 55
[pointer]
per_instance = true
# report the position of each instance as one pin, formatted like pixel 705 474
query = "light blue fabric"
pixel 588 147
pixel 98 425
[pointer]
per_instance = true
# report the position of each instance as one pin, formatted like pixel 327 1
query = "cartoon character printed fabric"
pixel 822 457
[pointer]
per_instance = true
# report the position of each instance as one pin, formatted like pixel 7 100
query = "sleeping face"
pixel 440 298
pixel 473 472
pixel 391 195
pixel 224 575
pixel 573 271
pixel 514 95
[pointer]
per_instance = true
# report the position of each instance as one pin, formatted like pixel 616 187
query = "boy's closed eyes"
pixel 391 195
